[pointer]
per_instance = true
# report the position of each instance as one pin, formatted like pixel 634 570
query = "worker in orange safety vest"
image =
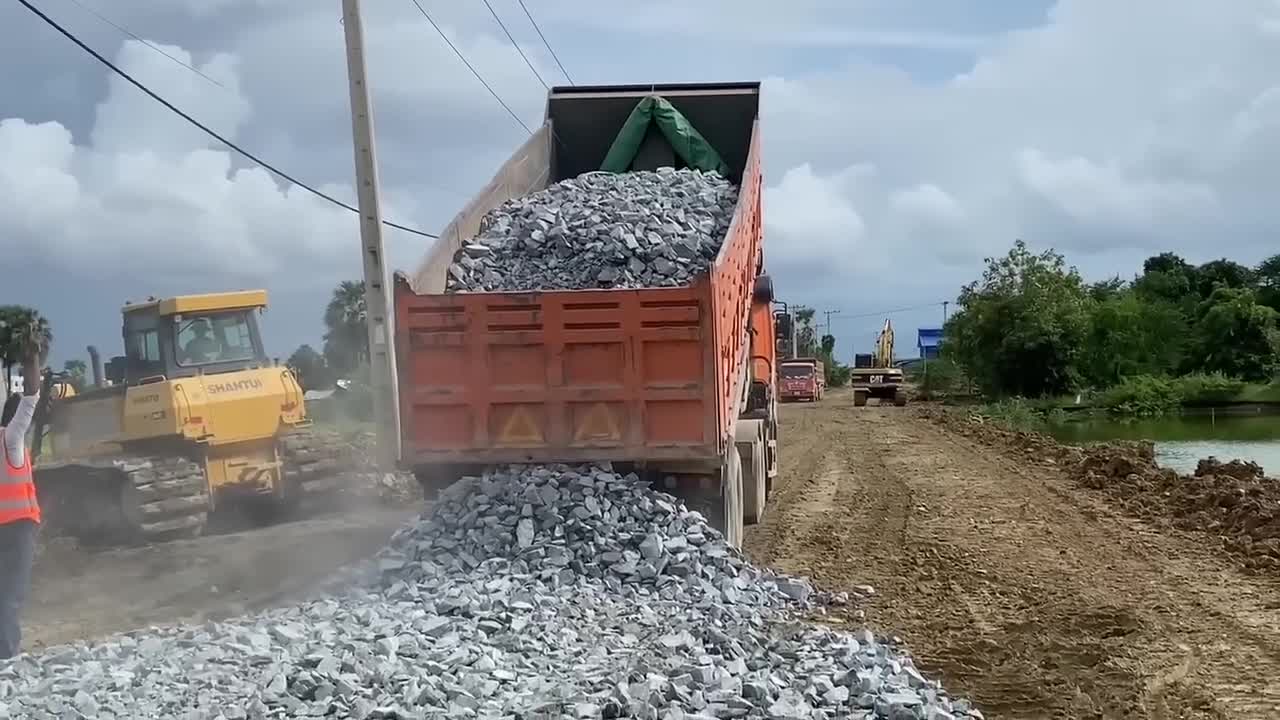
pixel 19 510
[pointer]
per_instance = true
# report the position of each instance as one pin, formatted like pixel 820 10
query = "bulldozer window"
pixel 144 346
pixel 214 338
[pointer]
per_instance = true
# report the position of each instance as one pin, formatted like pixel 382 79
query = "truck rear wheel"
pixel 900 397
pixel 751 452
pixel 859 397
pixel 717 497
pixel 731 484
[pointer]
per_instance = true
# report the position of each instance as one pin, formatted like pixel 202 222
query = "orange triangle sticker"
pixel 597 424
pixel 520 429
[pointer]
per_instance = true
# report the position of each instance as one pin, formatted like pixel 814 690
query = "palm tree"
pixel 346 343
pixel 23 331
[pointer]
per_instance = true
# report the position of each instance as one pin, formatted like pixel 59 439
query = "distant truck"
pixel 802 379
pixel 675 383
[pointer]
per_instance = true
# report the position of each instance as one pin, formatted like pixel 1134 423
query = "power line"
pixel 466 62
pixel 534 23
pixel 515 44
pixel 209 131
pixel 144 41
pixel 892 310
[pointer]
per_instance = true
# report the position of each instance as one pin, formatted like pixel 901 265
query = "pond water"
pixel 1182 440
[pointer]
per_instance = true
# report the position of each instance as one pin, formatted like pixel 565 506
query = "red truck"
pixel 801 379
pixel 675 383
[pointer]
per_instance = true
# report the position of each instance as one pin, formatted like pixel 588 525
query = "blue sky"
pixel 905 140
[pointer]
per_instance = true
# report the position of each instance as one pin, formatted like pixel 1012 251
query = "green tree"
pixel 346 340
pixel 1222 273
pixel 806 336
pixel 1169 278
pixel 1236 336
pixel 1167 262
pixel 1019 330
pixel 23 331
pixel 76 372
pixel 1107 289
pixel 837 374
pixel 1132 335
pixel 1268 275
pixel 310 367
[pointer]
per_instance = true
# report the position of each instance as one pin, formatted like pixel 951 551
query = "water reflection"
pixel 1182 440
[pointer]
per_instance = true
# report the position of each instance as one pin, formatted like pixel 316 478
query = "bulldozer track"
pixel 124 498
pixel 135 498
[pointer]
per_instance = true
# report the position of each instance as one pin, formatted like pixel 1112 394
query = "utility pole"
pixel 827 318
pixel 382 356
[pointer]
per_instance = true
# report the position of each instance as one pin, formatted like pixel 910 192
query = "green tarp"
pixel 685 139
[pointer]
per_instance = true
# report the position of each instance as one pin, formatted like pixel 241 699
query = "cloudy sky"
pixel 906 139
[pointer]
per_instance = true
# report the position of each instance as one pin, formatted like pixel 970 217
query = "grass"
pixel 1023 414
pixel 1269 393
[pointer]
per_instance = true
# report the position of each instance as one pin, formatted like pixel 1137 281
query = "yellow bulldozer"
pixel 192 419
pixel 875 374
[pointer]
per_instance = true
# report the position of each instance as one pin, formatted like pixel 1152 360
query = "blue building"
pixel 927 341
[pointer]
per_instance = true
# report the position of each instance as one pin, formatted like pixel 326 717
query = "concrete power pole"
pixel 382 357
pixel 827 319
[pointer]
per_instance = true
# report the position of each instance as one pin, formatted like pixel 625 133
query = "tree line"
pixel 1031 326
pixel 25 332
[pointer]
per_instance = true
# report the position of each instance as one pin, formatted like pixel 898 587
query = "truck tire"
pixel 749 437
pixel 732 492
pixel 900 398
pixel 718 497
pixel 859 397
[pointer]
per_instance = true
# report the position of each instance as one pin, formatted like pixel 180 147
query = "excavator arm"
pixel 884 346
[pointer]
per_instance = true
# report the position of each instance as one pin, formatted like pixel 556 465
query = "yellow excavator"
pixel 875 374
pixel 193 418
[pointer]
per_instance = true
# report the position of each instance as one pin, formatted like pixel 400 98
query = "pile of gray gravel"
pixel 600 230
pixel 532 592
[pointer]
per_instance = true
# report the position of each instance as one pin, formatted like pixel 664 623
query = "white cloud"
pixel 811 225
pixel 928 203
pixel 151 195
pixel 904 140
pixel 1104 197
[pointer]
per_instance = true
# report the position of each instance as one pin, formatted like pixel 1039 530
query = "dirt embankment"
pixel 1232 501
pixel 1020 588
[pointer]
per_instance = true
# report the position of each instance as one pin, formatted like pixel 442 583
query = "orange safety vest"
pixel 17 489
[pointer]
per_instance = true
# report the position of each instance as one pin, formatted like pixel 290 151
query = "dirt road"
pixel 1022 591
pixel 78 594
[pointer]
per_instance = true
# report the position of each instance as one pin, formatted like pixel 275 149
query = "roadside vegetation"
pixel 341 367
pixel 1031 335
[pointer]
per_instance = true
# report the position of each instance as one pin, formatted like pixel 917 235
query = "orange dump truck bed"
pixel 649 376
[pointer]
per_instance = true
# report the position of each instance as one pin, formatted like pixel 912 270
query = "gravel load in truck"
pixel 534 591
pixel 600 230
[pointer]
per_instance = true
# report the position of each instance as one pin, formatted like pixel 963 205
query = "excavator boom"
pixel 883 380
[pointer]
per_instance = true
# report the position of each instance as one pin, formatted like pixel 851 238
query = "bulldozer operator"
pixel 203 348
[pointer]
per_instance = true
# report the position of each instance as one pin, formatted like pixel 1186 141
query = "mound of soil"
pixel 1233 500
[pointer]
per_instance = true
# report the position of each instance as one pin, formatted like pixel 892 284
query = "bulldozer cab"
pixel 190 335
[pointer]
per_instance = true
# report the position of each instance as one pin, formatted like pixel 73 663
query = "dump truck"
pixel 193 418
pixel 876 375
pixel 801 379
pixel 675 383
